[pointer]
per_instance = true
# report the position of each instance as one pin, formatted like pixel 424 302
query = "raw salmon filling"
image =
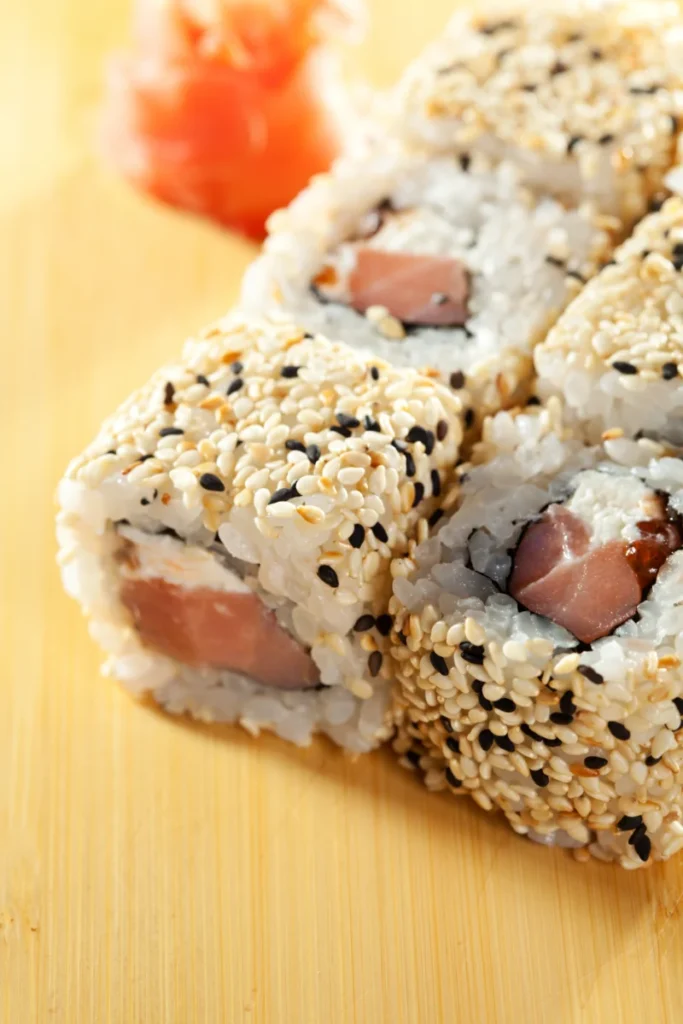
pixel 586 564
pixel 184 604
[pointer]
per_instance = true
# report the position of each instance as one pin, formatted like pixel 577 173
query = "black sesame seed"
pixel 453 745
pixel 529 87
pixel 678 249
pixel 169 392
pixel 371 424
pixel 485 739
pixel 448 725
pixel 413 757
pixel 678 704
pixel 656 203
pixel 400 446
pixel 344 431
pixel 594 763
pixel 577 276
pixel 416 434
pixel 357 536
pixel 497 26
pixel 211 482
pixel 430 442
pixel 643 847
pixel 364 623
pixel 534 400
pixel 439 663
pixel 678 262
pixel 457 380
pixel 590 674
pixel 623 367
pixel 144 501
pixel 380 533
pixel 465 161
pixel 539 777
pixel 451 779
pixel 669 371
pixel 236 385
pixel 111 451
pixel 375 663
pixel 643 90
pixel 283 494
pixel 403 638
pixel 347 421
pixel 374 373
pixel 410 465
pixel 505 743
pixel 619 730
pixel 290 371
pixel 419 494
pixel 629 822
pixel 384 624
pixel 295 446
pixel 674 123
pixel 327 574
pixel 469 418
pixel 436 517
pixel 436 483
pixel 559 68
pixel 567 705
pixel 484 702
pixel 441 430
pixel 645 253
pixel 650 760
pixel 237 367
pixel 473 653
pixel 505 704
pixel 637 834
pixel 201 379
pixel 528 731
pixel 575 37
pixel 606 139
pixel 144 458
pixel 313 453
pixel 596 54
pixel 555 262
pixel 170 432
pixel 553 743
pixel 559 719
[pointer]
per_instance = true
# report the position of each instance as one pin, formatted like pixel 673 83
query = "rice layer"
pixel 585 97
pixel 577 745
pixel 616 354
pixel 525 255
pixel 307 465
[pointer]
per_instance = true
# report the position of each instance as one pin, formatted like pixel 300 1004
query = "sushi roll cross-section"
pixel 616 354
pixel 230 533
pixel 440 262
pixel 537 639
pixel 584 97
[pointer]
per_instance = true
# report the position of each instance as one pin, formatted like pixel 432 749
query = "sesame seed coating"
pixel 615 352
pixel 594 89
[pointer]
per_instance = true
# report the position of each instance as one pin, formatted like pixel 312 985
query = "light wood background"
pixel 154 871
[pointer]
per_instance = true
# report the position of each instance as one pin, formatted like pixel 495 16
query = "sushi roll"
pixel 443 262
pixel 585 97
pixel 616 354
pixel 230 532
pixel 538 639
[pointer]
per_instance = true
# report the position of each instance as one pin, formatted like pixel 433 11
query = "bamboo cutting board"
pixel 155 871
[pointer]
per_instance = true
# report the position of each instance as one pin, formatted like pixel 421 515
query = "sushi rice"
pixel 585 97
pixel 269 463
pixel 577 744
pixel 525 255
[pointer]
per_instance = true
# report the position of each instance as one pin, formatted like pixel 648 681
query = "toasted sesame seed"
pixel 327 574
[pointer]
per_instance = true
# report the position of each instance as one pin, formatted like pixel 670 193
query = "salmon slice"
pixel 217 629
pixel 421 290
pixel 589 591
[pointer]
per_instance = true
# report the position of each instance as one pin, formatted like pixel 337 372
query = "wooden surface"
pixel 154 871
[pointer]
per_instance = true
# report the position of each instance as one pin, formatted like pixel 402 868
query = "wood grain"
pixel 155 871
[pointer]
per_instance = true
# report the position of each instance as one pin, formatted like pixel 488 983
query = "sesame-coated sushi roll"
pixel 440 262
pixel 585 97
pixel 230 532
pixel 538 640
pixel 616 354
